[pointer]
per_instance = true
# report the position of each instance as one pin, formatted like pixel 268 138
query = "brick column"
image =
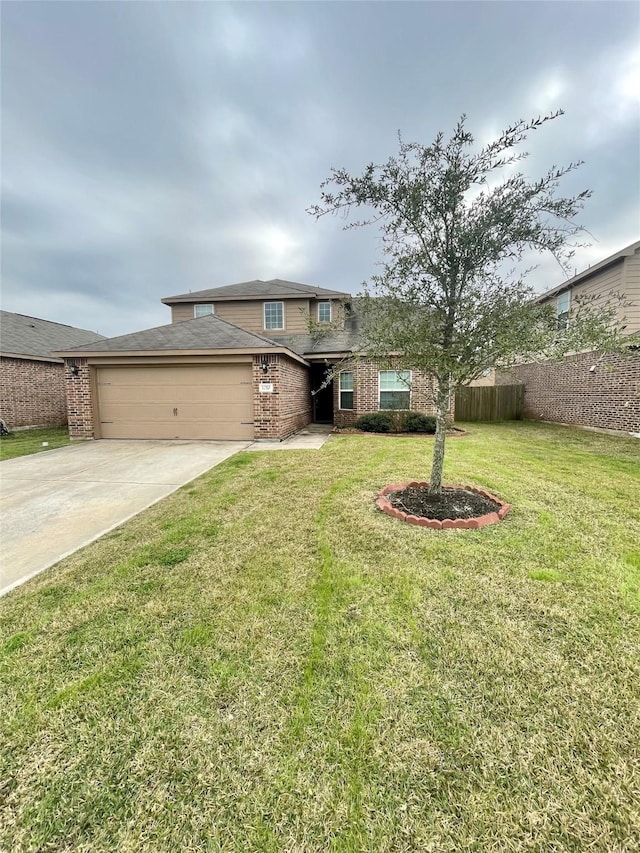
pixel 266 406
pixel 79 403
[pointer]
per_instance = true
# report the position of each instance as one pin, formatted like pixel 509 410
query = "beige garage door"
pixel 203 401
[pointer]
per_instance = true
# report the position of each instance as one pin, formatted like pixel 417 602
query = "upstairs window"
pixel 274 315
pixel 202 310
pixel 394 389
pixel 346 389
pixel 324 312
pixel 562 309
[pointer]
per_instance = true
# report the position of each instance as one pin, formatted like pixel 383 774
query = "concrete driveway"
pixel 53 503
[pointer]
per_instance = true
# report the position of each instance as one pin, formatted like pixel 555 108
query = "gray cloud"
pixel 150 149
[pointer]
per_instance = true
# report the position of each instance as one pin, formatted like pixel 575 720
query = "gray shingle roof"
pixel 334 341
pixel 201 333
pixel 257 289
pixel 31 336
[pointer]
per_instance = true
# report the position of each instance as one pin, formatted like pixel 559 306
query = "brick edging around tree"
pixel 448 524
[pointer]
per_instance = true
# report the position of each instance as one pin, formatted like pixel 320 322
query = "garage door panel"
pixel 117 395
pixel 187 430
pixel 200 402
pixel 225 374
pixel 235 411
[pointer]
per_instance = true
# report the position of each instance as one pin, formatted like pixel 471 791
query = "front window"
pixel 395 389
pixel 202 310
pixel 274 315
pixel 324 312
pixel 562 309
pixel 346 389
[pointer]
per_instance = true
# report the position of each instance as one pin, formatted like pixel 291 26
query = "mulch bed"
pixel 452 503
pixel 454 433
pixel 461 507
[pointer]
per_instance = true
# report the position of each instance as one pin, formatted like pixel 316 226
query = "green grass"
pixel 28 441
pixel 265 662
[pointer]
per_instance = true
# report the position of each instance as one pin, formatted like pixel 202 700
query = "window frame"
pixel 408 388
pixel 324 302
pixel 342 391
pixel 203 305
pixel 264 316
pixel 563 316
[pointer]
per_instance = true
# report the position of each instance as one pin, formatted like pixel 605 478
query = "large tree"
pixel 455 226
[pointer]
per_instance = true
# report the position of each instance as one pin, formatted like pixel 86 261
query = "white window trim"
pixel 409 389
pixel 566 293
pixel 264 316
pixel 200 304
pixel 341 389
pixel 325 302
pixel 563 314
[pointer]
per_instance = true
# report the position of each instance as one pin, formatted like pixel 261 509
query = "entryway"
pixel 322 393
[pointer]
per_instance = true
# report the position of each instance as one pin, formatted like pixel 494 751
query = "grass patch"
pixel 265 662
pixel 29 441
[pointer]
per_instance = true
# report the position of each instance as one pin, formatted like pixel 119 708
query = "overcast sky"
pixel 152 148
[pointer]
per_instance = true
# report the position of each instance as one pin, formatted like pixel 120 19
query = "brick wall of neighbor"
pixel 568 392
pixel 365 394
pixel 32 393
pixel 80 411
pixel 288 408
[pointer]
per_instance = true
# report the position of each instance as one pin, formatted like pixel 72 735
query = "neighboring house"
pixel 32 385
pixel 588 389
pixel 240 361
pixel 617 274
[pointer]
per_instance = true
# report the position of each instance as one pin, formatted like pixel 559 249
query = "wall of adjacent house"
pixel 483 381
pixel 249 314
pixel 632 292
pixel 622 277
pixel 286 408
pixel 366 396
pixel 568 392
pixel 32 393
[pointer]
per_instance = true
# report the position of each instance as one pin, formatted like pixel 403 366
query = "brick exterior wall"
pixel 568 392
pixel 80 412
pixel 32 393
pixel 288 408
pixel 365 394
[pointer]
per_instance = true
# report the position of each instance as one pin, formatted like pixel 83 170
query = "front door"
pixel 323 394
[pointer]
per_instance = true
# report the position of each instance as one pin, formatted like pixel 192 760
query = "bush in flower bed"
pixel 417 422
pixel 375 422
pixel 396 422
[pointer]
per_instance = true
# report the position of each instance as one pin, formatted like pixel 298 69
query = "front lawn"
pixel 265 662
pixel 27 441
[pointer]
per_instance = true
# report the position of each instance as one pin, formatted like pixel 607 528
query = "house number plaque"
pixel 266 387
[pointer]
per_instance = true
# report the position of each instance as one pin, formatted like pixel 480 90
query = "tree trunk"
pixel 443 399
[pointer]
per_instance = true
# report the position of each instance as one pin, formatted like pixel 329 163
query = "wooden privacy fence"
pixel 489 403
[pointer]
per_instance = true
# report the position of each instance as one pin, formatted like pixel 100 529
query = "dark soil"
pixel 452 503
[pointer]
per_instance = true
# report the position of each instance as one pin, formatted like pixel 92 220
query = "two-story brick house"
pixel 587 388
pixel 237 362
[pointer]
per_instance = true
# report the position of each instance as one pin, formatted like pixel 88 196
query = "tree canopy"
pixel 456 225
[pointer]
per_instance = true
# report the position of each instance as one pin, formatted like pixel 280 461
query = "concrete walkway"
pixel 312 437
pixel 55 502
